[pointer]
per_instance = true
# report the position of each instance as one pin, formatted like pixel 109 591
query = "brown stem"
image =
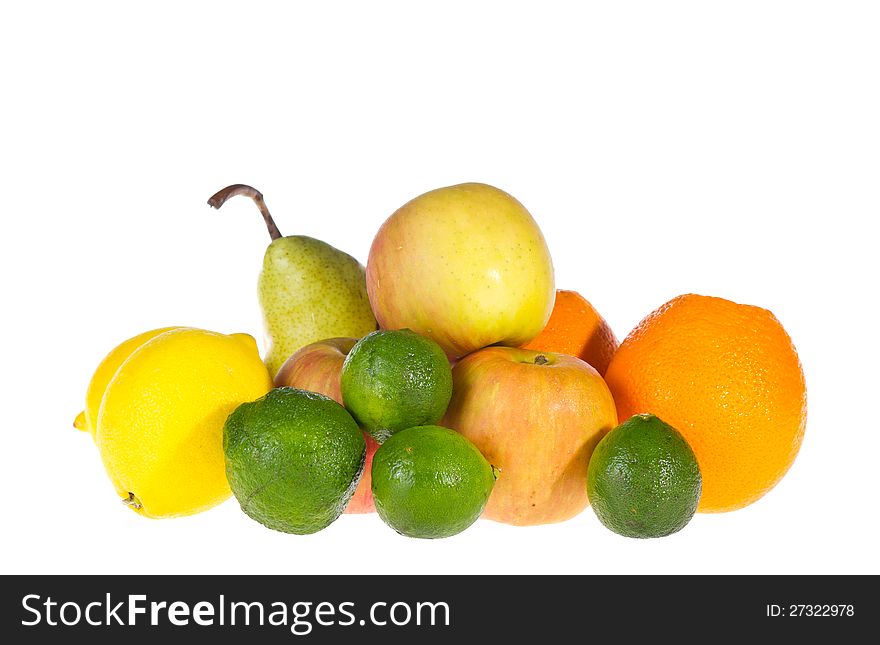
pixel 133 501
pixel 540 359
pixel 218 199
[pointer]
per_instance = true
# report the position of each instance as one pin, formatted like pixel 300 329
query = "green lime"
pixel 293 459
pixel 393 380
pixel 643 479
pixel 430 482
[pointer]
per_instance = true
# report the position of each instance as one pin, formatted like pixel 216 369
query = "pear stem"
pixel 218 199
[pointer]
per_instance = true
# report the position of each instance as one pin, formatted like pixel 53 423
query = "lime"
pixel 643 480
pixel 293 459
pixel 393 380
pixel 430 482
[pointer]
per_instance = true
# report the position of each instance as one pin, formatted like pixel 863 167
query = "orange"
pixel 728 378
pixel 576 328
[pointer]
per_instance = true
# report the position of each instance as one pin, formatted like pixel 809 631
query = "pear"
pixel 308 290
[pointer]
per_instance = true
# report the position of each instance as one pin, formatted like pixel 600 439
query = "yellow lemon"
pixel 86 419
pixel 160 423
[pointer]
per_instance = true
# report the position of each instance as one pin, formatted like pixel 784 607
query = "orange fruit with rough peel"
pixel 728 378
pixel 577 329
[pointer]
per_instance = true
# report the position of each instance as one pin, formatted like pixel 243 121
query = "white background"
pixel 727 149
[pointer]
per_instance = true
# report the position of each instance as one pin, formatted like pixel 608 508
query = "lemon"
pixel 86 419
pixel 159 427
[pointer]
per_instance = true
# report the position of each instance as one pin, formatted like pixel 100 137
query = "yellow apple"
pixel 464 265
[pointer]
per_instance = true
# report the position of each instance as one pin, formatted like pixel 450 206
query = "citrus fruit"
pixel 576 328
pixel 430 482
pixel 159 427
pixel 728 378
pixel 87 419
pixel 293 459
pixel 393 380
pixel 643 480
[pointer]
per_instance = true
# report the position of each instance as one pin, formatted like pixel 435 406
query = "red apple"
pixel 317 368
pixel 536 416
pixel 362 500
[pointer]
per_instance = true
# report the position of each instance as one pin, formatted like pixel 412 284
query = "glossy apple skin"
pixel 362 500
pixel 464 265
pixel 536 423
pixel 317 368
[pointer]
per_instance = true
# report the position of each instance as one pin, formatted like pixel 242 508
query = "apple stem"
pixel 133 501
pixel 540 359
pixel 219 198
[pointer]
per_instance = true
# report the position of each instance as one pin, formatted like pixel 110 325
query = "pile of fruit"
pixel 446 381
